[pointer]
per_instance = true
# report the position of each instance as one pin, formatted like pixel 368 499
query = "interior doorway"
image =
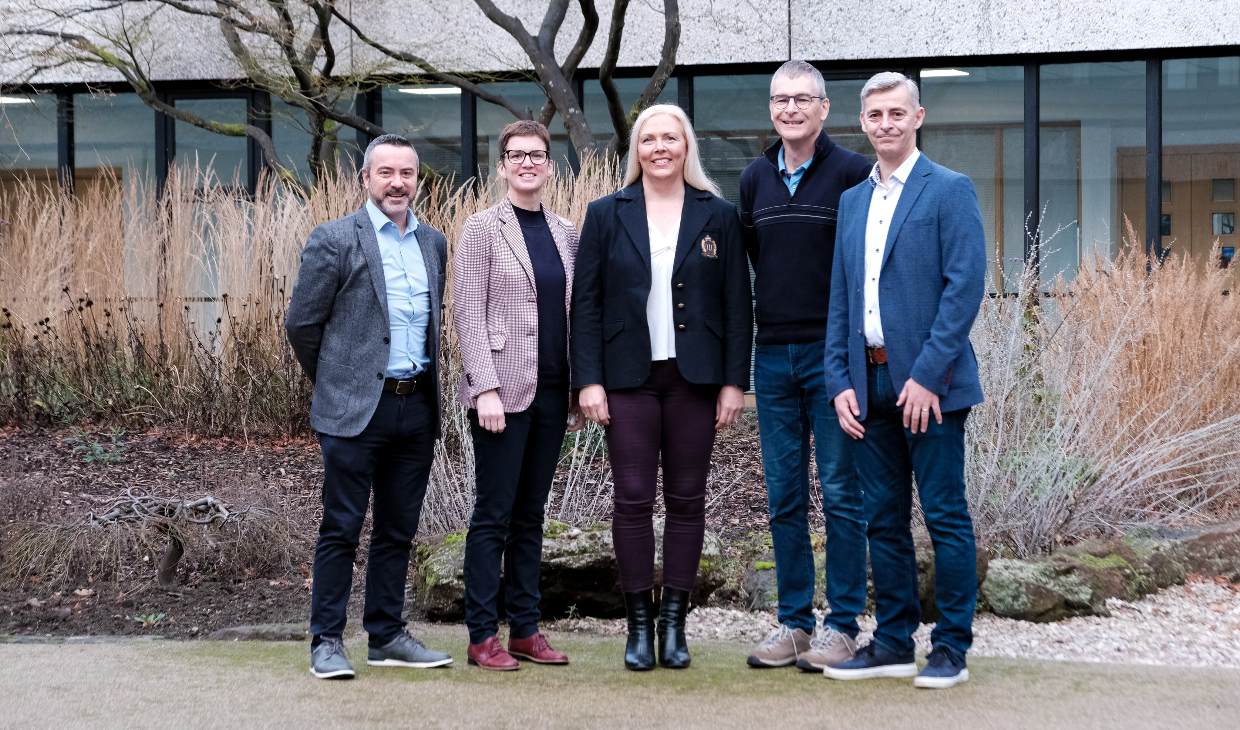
pixel 1199 200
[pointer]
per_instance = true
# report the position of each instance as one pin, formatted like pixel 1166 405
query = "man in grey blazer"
pixel 364 324
pixel 907 282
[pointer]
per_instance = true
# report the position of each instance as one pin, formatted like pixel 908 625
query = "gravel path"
pixel 1193 625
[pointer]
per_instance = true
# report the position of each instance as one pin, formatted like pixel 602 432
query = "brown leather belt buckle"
pixel 876 355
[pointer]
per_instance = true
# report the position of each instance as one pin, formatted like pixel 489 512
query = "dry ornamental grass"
pixel 1112 403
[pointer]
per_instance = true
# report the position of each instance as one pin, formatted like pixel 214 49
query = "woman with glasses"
pixel 512 284
pixel 660 346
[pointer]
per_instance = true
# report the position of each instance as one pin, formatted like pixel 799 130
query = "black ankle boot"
pixel 639 651
pixel 673 652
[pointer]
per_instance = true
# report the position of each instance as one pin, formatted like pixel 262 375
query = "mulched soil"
pixel 56 477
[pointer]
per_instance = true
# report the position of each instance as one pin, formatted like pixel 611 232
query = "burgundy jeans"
pixel 668 416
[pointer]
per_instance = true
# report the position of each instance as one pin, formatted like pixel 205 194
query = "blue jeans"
pixel 887 460
pixel 792 403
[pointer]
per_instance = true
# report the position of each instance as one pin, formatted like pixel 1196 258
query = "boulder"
pixel 1080 580
pixel 1214 551
pixel 925 574
pixel 578 574
pixel 759 592
pixel 1033 591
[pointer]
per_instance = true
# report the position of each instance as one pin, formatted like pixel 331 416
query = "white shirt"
pixel 882 207
pixel 659 316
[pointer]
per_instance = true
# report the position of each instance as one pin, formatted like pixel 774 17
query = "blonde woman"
pixel 512 283
pixel 660 352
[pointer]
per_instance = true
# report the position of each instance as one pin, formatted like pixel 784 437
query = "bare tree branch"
pixel 430 70
pixel 607 70
pixel 621 118
pixel 585 38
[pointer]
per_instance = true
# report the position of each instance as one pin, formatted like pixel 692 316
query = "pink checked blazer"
pixel 495 309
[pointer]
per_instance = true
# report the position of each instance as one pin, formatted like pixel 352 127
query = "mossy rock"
pixel 1214 552
pixel 1034 591
pixel 758 586
pixel 926 574
pixel 578 573
pixel 439 578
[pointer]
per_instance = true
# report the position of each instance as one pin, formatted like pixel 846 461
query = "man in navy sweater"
pixel 789 197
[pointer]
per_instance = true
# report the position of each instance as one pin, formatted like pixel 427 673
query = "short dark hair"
pixel 394 140
pixel 523 128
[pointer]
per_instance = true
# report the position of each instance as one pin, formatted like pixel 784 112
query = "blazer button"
pixel 680 285
pixel 387 340
pixel 680 327
pixel 379 376
pixel 680 305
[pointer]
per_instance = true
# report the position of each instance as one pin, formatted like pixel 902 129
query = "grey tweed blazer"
pixel 337 320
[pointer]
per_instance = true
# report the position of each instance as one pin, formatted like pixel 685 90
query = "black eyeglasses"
pixel 517 157
pixel 802 101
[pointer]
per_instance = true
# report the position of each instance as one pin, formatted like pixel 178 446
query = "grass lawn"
pixel 200 684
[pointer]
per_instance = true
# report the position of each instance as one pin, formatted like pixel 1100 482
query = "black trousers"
pixel 392 456
pixel 514 469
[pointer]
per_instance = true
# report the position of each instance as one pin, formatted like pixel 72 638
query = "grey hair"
pixel 797 69
pixel 887 80
pixel 695 175
pixel 395 140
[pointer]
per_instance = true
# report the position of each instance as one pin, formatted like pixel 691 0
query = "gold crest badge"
pixel 710 249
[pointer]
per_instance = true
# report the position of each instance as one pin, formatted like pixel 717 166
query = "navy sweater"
pixel 791 239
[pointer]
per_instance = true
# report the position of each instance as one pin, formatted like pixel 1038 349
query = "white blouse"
pixel 659 304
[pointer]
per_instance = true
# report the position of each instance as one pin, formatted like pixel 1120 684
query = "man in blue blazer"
pixel 907 281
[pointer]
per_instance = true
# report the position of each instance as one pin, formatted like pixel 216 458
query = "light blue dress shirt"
pixel 792 179
pixel 408 293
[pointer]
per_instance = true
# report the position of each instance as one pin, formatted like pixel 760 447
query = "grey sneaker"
pixel 406 651
pixel 827 647
pixel 780 648
pixel 328 660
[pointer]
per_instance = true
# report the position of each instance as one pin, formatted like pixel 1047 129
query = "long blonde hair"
pixel 694 173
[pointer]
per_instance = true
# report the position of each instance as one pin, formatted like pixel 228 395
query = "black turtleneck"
pixel 549 286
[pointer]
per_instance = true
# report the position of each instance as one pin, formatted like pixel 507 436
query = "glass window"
pixel 1092 166
pixel 290 133
pixel 112 134
pixel 28 135
pixel 733 125
pixel 975 125
pixel 492 118
pixel 1201 155
pixel 430 116
pixel 226 155
pixel 844 119
pixel 595 102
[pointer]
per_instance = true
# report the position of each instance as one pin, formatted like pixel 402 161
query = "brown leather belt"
pixel 407 385
pixel 876 355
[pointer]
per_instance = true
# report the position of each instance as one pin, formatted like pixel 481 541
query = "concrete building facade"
pixel 1075 118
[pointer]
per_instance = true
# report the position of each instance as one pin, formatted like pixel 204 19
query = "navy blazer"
pixel 930 287
pixel 713 311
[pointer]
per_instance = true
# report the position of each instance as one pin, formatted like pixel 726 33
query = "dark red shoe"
pixel 536 649
pixel 490 654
